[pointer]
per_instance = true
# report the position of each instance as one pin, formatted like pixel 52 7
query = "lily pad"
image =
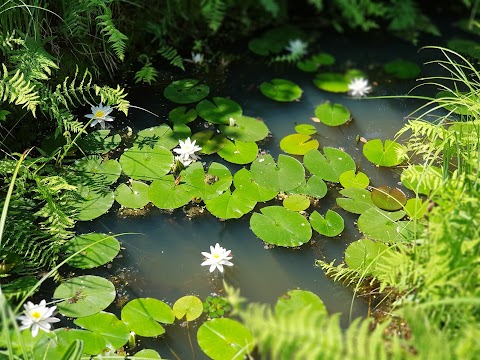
pixel 306 129
pixel 96 250
pixel 389 199
pixel 146 354
pixel 95 171
pixel 349 179
pixel 166 193
pixel 331 225
pixel 146 163
pixel 402 69
pixel 389 154
pixel 275 40
pixel 209 141
pixel 239 152
pixel 207 185
pixel 247 129
pixel 296 202
pixel 363 255
pixel 242 180
pixel 336 82
pixel 465 46
pixel 356 200
pixel 220 111
pixel 281 90
pixel 186 91
pixel 231 205
pixel 296 300
pixel 56 346
pixel 180 115
pixel 94 203
pixel 84 296
pixel 113 330
pixel 298 144
pixel 332 114
pixel 287 175
pixel 329 165
pixel 144 315
pixel 280 226
pixel 384 226
pixel 181 131
pixel 224 339
pixel 161 135
pixel 134 196
pixel 312 63
pixel 422 180
pixel 314 187
pixel 99 142
pixel 189 306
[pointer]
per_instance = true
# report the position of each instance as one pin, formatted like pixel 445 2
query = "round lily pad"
pixel 275 40
pixel 180 132
pixel 84 295
pixel 402 69
pixel 146 163
pixel 134 196
pixel 144 315
pixel 332 114
pixel 209 141
pixel 330 225
pixel 95 171
pixel 243 181
pixel 296 202
pixel 220 111
pixel 329 165
pixel 189 306
pixel 280 226
pixel 58 344
pixel 247 129
pixel 336 82
pixel 295 300
pixel 161 135
pixel 99 142
pixel 94 203
pixel 146 354
pixel 287 175
pixel 389 199
pixel 239 152
pixel 465 46
pixel 363 255
pixel 298 144
pixel 224 339
pixel 186 91
pixel 231 205
pixel 312 63
pixel 281 90
pixel 384 226
pixel 416 208
pixel 356 200
pixel 306 129
pixel 349 179
pixel 314 187
pixel 180 115
pixel 96 250
pixel 206 185
pixel 167 193
pixel 389 154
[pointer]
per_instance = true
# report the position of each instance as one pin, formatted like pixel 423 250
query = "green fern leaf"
pixel 171 54
pixel 214 12
pixel 15 89
pixel 146 74
pixel 115 37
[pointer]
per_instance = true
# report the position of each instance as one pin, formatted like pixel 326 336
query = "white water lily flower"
pixel 231 121
pixel 297 47
pixel 187 150
pixel 197 58
pixel 37 317
pixel 100 115
pixel 185 162
pixel 359 87
pixel 217 258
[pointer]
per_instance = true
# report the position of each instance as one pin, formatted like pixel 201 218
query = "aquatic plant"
pixel 37 317
pixel 217 258
pixel 359 87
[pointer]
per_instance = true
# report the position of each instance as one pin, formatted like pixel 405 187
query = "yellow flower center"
pixel 216 256
pixel 99 114
pixel 36 315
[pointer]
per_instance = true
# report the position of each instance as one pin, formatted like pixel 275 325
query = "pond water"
pixel 162 252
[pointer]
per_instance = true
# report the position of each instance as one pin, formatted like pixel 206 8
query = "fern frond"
pixel 341 272
pixel 9 41
pixel 34 62
pixel 115 97
pixel 16 89
pixel 317 3
pixel 115 37
pixel 171 54
pixel 146 74
pixel 270 6
pixel 214 12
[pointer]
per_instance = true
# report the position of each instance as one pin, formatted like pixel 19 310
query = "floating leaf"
pixel 329 166
pixel 279 226
pixel 331 225
pixel 239 152
pixel 94 171
pixel 207 185
pixel 384 226
pixel 349 179
pixel 296 300
pixel 332 114
pixel 189 306
pixel 356 200
pixel 416 208
pixel 296 202
pixel 224 339
pixel 247 129
pixel 84 295
pixel 275 40
pixel 422 180
pixel 165 193
pixel 388 199
pixel 312 63
pixel 306 129
pixel 298 144
pixel 314 187
pixel 56 346
pixel 161 135
pixel 363 255
pixel 336 82
pixel 181 131
pixel 243 181
pixel 94 203
pixel 143 316
pixel 146 163
pixel 220 111
pixel 281 90
pixel 134 196
pixel 402 69
pixel 180 115
pixel 465 46
pixel 287 175
pixel 209 141
pixel 390 154
pixel 96 250
pixel 98 142
pixel 146 354
pixel 186 91
pixel 231 205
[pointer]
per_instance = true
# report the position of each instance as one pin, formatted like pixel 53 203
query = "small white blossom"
pixel 297 47
pixel 197 58
pixel 231 121
pixel 100 115
pixel 187 150
pixel 185 162
pixel 359 87
pixel 37 317
pixel 217 258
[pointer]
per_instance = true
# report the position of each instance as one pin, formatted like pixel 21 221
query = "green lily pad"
pixel 144 315
pixel 181 131
pixel 94 203
pixel 356 200
pixel 389 154
pixel 209 141
pixel 384 226
pixel 306 129
pixel 207 185
pixel 161 135
pixel 231 205
pixel 84 295
pixel 275 40
pixel 189 306
pixel 98 142
pixel 180 115
pixel 332 114
pixel 349 179
pixel 243 181
pixel 281 90
pixel 134 196
pixel 146 163
pixel 280 226
pixel 146 354
pixel 287 175
pixel 465 46
pixel 56 346
pixel 422 180
pixel 186 91
pixel 239 152
pixel 224 339
pixel 331 225
pixel 97 249
pixel 220 111
pixel 95 171
pixel 298 144
pixel 312 63
pixel 388 199
pixel 402 69
pixel 165 193
pixel 113 330
pixel 363 255
pixel 329 165
pixel 297 300
pixel 247 129
pixel 416 208
pixel 296 202
pixel 314 187
pixel 336 82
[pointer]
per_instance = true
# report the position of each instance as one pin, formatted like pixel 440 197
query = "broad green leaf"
pixel 189 306
pixel 113 330
pixel 329 165
pixel 165 193
pixel 186 91
pixel 306 129
pixel 181 132
pixel 94 171
pixel 243 181
pixel 275 40
pixel 56 346
pixel 298 144
pixel 134 196
pixel 331 225
pixel 146 354
pixel 465 46
pixel 97 249
pixel 146 163
pixel 239 152
pixel 281 90
pixel 384 226
pixel 296 202
pixel 94 203
pixel 247 129
pixel 161 135
pixel 84 295
pixel 231 205
pixel 287 175
pixel 314 187
pixel 180 115
pixel 206 185
pixel 220 111
pixel 422 180
pixel 297 300
pixel 356 200
pixel 98 142
pixel 312 63
pixel 389 199
pixel 332 114
pixel 402 69
pixel 389 154
pixel 363 255
pixel 349 179
pixel 336 82
pixel 209 141
pixel 416 208
pixel 279 226
pixel 144 315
